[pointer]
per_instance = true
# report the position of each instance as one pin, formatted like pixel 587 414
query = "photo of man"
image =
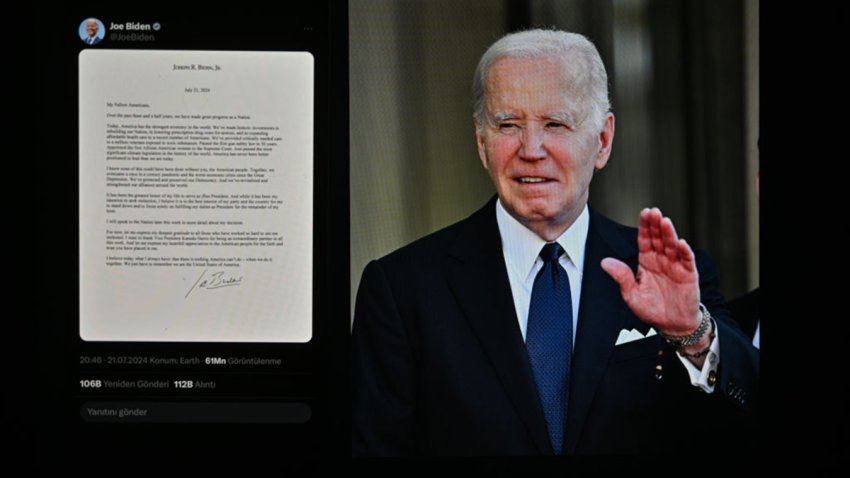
pixel 538 326
pixel 92 31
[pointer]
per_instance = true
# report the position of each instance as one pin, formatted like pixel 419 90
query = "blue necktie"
pixel 549 340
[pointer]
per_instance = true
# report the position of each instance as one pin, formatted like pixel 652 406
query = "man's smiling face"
pixel 538 142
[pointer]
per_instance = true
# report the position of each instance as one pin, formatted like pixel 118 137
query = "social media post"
pixel 200 165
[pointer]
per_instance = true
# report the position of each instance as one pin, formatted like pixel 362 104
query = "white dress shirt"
pixel 521 248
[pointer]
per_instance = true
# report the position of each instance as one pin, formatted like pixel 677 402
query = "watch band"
pixel 684 341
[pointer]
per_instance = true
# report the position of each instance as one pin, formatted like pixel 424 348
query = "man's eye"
pixel 556 125
pixel 508 126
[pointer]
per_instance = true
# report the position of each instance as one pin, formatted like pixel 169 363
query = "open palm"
pixel 665 292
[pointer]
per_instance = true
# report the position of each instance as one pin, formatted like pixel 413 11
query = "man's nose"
pixel 531 148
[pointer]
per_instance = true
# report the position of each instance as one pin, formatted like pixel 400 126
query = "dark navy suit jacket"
pixel 440 366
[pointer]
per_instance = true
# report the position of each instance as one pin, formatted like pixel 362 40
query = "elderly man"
pixel 536 325
pixel 91 30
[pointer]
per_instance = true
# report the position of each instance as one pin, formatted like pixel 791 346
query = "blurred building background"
pixel 683 77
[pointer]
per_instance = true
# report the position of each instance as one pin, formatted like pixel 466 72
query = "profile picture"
pixel 92 31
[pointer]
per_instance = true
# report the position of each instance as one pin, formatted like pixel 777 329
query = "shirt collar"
pixel 522 246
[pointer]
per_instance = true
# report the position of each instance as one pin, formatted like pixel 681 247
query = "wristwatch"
pixel 684 341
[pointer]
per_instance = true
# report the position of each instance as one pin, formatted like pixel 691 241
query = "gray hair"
pixel 581 59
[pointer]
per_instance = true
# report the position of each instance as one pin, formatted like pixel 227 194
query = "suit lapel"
pixel 602 314
pixel 479 280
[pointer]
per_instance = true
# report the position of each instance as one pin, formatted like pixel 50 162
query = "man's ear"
pixel 606 141
pixel 479 141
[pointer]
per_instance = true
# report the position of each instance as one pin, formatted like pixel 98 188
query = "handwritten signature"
pixel 215 280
